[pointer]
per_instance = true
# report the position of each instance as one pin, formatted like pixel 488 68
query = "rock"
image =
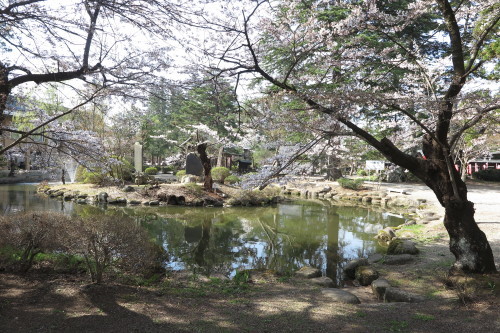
pixel 428 219
pixel 325 189
pixel 81 201
pixel 304 193
pixel 212 202
pixel 409 222
pixel 189 179
pixel 399 246
pixel 340 296
pixel 102 197
pixel 68 197
pixel 366 200
pixel 128 188
pixel 276 199
pixel 308 272
pixel 322 281
pixel 134 202
pixel 193 165
pixel 386 234
pixel 56 193
pixel 376 257
pixel 117 201
pixel 397 295
pixel 379 286
pixel 399 259
pixel 350 268
pixel 425 214
pixel 366 275
pixel 82 196
pixel 230 202
pixel 154 203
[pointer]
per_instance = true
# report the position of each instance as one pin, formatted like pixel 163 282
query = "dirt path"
pixel 486 199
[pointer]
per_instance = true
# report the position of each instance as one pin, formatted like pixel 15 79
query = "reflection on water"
pixel 22 197
pixel 223 240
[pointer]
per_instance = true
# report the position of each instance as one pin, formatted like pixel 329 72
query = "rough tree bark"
pixel 205 161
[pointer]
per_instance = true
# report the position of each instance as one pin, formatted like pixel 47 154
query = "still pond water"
pixel 214 241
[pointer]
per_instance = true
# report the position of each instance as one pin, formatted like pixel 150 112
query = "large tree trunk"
pixel 207 167
pixel 467 242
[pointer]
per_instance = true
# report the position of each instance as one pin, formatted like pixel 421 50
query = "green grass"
pixel 423 316
pixel 360 314
pixel 398 325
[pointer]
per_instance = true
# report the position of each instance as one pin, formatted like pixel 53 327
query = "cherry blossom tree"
pixel 414 67
pixel 119 46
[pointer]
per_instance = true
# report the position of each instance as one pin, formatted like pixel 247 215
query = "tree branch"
pixel 30 132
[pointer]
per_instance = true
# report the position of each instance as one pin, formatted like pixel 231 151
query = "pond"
pixel 221 241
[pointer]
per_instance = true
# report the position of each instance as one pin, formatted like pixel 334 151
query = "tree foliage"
pixel 417 68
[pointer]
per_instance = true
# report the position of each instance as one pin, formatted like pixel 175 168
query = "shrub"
pixel 168 168
pixel 67 243
pixel 84 175
pixel 232 179
pixel 180 174
pixel 488 175
pixel 353 184
pixel 123 170
pixel 110 240
pixel 151 171
pixel 193 189
pixel 79 174
pixel 44 185
pixel 32 233
pixel 361 172
pixel 220 173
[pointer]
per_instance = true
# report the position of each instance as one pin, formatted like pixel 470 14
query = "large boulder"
pixel 379 286
pixel 308 272
pixel 397 295
pixel 194 165
pixel 350 268
pixel 322 281
pixel 325 189
pixel 376 257
pixel 365 275
pixel 386 234
pixel 400 246
pixel 117 201
pixel 102 197
pixel 340 296
pixel 189 179
pixel 128 188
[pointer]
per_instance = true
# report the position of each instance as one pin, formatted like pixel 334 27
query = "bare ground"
pixel 41 302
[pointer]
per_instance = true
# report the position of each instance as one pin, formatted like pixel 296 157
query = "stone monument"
pixel 194 165
pixel 138 157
